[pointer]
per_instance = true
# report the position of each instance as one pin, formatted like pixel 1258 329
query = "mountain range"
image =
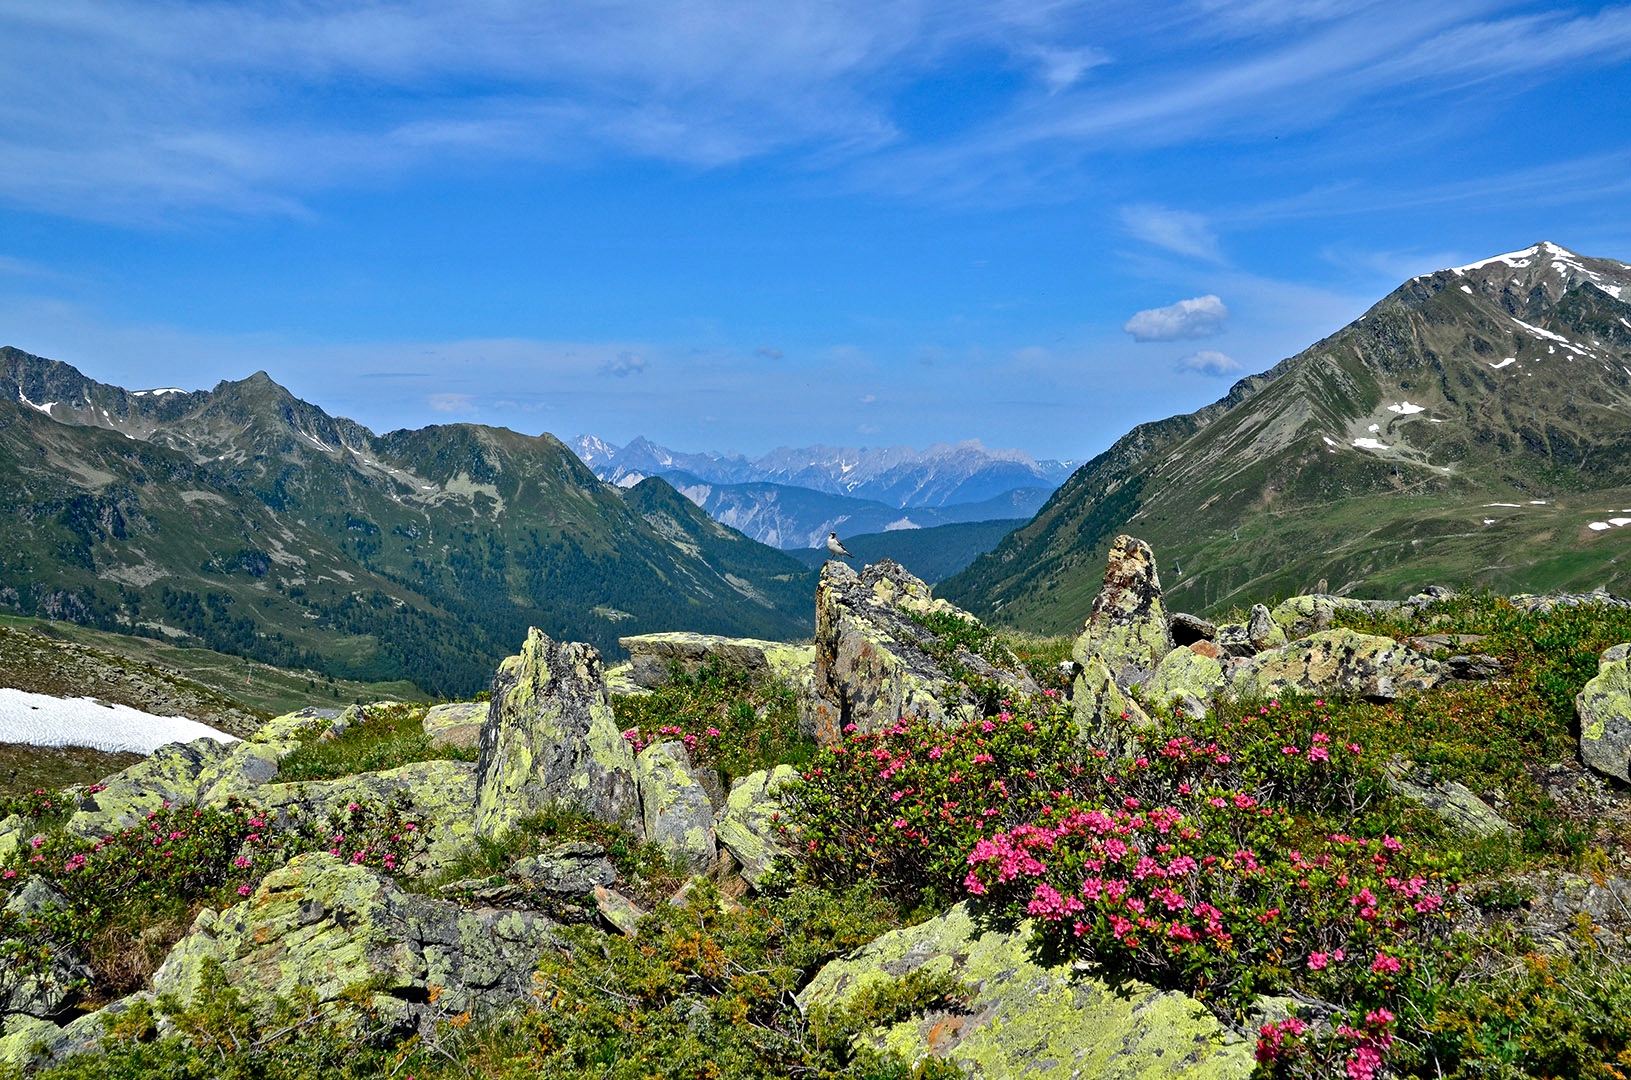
pixel 792 498
pixel 248 521
pixel 1474 426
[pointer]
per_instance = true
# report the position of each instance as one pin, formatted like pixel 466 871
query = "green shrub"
pixel 382 737
pixel 729 720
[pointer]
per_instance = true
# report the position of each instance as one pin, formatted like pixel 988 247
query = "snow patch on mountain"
pixel 42 720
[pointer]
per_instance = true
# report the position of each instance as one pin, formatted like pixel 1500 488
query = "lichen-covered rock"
pixel 323 926
pixel 1337 662
pixel 1186 679
pixel 1234 639
pixel 653 656
pixel 1604 707
pixel 873 662
pixel 570 869
pixel 747 827
pixel 1299 616
pixel 1262 632
pixel 1127 628
pixel 443 795
pixel 255 761
pixel 44 995
pixel 169 775
pixel 29 1043
pixel 14 831
pixel 457 725
pixel 678 815
pixel 1027 1020
pixel 551 738
pixel 618 910
pixel 1453 802
pixel 1105 717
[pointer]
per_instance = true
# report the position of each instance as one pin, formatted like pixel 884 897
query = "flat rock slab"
pixel 1027 1020
pixel 653 657
pixel 457 725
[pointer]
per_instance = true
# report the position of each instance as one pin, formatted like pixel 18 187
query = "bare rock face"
pixel 653 656
pixel 1127 630
pixel 875 663
pixel 551 738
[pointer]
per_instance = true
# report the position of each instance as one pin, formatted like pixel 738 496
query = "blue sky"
pixel 741 225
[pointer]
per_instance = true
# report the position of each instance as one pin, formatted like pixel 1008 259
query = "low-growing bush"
pixel 381 737
pixel 728 719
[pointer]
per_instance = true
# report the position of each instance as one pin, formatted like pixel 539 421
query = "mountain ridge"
pixel 250 521
pixel 1420 423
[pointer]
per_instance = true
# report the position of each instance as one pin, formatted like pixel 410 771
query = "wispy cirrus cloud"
pixel 1178 231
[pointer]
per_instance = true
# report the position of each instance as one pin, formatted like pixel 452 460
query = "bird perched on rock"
pixel 834 546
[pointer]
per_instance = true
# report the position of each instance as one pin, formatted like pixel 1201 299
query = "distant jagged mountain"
pixel 897 476
pixel 791 499
pixel 249 521
pixel 1473 426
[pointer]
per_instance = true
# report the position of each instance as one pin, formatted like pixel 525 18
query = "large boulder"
pixel 29 1043
pixel 171 774
pixel 876 663
pixel 1299 616
pixel 1105 716
pixel 1604 707
pixel 323 926
pixel 551 738
pixel 749 825
pixel 457 725
pixel 1188 679
pixel 1023 1019
pixel 1337 662
pixel 653 656
pixel 1263 633
pixel 1127 628
pixel 442 794
pixel 678 815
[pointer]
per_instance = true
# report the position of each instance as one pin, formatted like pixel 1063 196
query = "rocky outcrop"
pixel 29 1043
pixel 571 869
pixel 1336 662
pixel 1604 708
pixel 1262 632
pixel 323 926
pixel 550 737
pixel 1187 678
pixel 457 726
pixel 170 775
pixel 442 795
pixel 1023 1019
pixel 1453 802
pixel 255 761
pixel 1105 717
pixel 875 664
pixel 1127 629
pixel 748 825
pixel 678 815
pixel 44 994
pixel 653 656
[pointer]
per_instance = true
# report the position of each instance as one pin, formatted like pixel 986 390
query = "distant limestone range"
pixel 1474 426
pixel 791 498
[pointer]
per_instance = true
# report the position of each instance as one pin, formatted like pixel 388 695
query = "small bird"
pixel 837 548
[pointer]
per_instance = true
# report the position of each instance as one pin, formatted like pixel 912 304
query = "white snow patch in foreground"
pixel 1619 522
pixel 1376 427
pixel 1537 502
pixel 1434 420
pixel 1517 505
pixel 1504 363
pixel 1369 444
pixel 1405 408
pixel 1599 526
pixel 42 720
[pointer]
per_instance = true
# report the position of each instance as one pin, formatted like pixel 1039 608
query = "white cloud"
pixel 1210 362
pixel 1178 231
pixel 463 404
pixel 1198 317
pixel 623 365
